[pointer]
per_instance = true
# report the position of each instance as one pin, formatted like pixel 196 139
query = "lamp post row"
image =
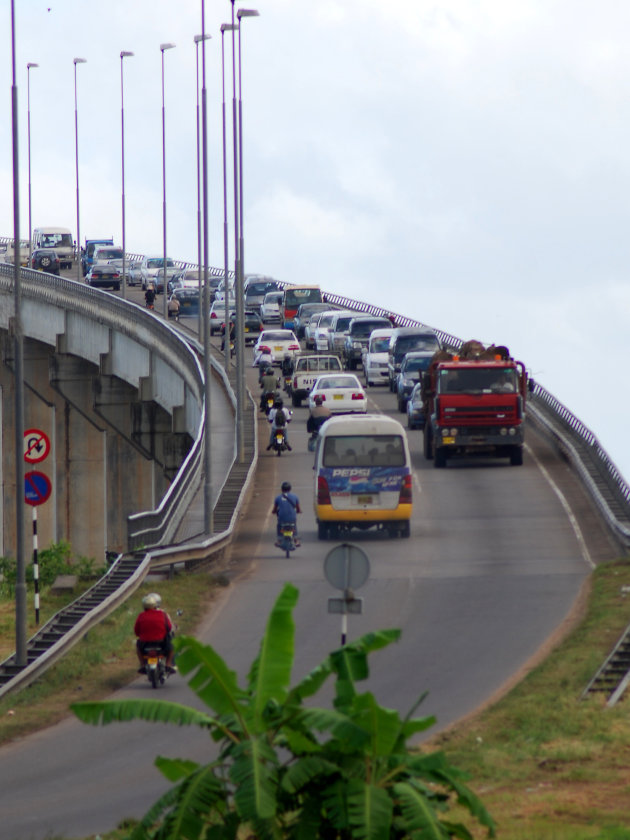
pixel 204 326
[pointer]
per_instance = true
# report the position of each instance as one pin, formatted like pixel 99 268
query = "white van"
pixel 58 238
pixel 362 475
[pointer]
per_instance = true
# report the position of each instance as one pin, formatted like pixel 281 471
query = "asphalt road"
pixel 492 569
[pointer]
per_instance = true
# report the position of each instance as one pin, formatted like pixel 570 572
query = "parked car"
pixel 415 408
pixel 411 369
pixel 304 313
pixel 270 308
pixel 358 337
pixel 374 359
pixel 46 259
pixel 278 344
pixel 342 393
pixel 104 276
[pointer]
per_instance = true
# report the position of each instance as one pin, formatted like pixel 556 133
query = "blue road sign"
pixel 37 488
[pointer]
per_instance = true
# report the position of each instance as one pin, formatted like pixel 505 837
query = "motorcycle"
pixel 268 401
pixel 155 663
pixel 286 540
pixel 287 384
pixel 279 442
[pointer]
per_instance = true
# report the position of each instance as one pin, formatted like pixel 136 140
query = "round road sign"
pixel 37 488
pixel 36 446
pixel 347 567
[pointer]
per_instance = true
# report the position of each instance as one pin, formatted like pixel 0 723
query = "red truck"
pixel 474 403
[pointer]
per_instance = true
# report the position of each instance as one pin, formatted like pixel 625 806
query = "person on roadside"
pixel 154 626
pixel 173 307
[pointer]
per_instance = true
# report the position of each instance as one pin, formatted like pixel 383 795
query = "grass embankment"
pixel 103 661
pixel 548 765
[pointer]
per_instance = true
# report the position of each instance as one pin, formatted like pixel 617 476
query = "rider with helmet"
pixel 279 417
pixel 287 366
pixel 154 625
pixel 286 507
pixel 318 416
pixel 268 384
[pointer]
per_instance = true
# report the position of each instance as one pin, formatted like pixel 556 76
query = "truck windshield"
pixel 481 380
pixel 364 451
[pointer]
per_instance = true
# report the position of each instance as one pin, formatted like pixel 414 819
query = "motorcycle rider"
pixel 318 416
pixel 232 334
pixel 288 365
pixel 286 507
pixel 279 417
pixel 152 626
pixel 268 383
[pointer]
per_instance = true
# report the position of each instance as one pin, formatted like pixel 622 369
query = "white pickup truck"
pixel 307 370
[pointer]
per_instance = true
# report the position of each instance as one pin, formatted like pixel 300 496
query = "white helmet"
pixel 151 601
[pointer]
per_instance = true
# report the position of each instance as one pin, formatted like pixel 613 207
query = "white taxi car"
pixel 277 343
pixel 342 393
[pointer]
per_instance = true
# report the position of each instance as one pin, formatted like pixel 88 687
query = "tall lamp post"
pixel 29 67
pixel 198 39
pixel 240 274
pixel 225 27
pixel 124 54
pixel 163 48
pixel 76 157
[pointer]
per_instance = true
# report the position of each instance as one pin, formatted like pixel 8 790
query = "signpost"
pixel 346 567
pixel 37 490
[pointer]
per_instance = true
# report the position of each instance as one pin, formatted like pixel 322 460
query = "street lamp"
pixel 124 54
pixel 76 148
pixel 225 27
pixel 163 48
pixel 29 66
pixel 240 273
pixel 198 39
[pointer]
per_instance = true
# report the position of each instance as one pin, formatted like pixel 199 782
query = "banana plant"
pixel 287 771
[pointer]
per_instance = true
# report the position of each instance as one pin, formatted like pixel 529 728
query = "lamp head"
pixel 199 38
pixel 247 13
pixel 228 27
pixel 125 53
pixel 76 61
pixel 166 47
pixel 31 64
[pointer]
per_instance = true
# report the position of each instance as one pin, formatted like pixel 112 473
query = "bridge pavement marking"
pixel 567 508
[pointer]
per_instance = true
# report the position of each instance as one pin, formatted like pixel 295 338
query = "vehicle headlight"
pixel 503 431
pixel 512 431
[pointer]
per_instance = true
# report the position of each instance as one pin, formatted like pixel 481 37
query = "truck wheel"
pixel 439 457
pixel 428 443
pixel 322 531
pixel 516 457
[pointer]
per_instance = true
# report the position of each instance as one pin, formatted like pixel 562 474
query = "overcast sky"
pixel 464 163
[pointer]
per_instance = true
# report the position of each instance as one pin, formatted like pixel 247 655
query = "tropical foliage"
pixel 287 771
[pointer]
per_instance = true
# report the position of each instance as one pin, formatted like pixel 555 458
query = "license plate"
pixel 337 396
pixel 448 440
pixel 152 660
pixel 246 329
pixel 278 349
pixel 365 500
